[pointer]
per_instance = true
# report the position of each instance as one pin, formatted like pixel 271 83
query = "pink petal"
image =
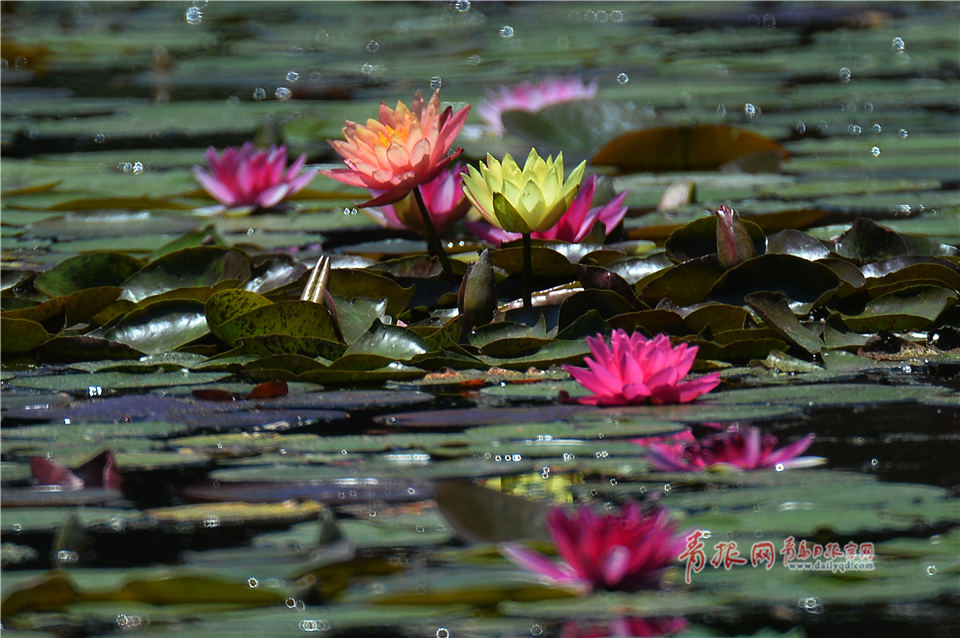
pixel 533 561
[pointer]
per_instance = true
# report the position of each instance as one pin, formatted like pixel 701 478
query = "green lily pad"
pixel 805 283
pixel 197 266
pixel 291 318
pixel 87 271
pixel 160 327
pixel 910 308
pixel 21 335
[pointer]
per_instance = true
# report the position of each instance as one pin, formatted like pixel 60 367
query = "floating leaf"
pixel 63 312
pixel 20 335
pixel 684 284
pixel 197 266
pixel 805 283
pixel 703 147
pixel 775 311
pixel 87 271
pixel 292 318
pixel 160 327
pixel 354 282
pixel 911 308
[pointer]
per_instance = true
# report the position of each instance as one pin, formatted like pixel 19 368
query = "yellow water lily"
pixel 525 200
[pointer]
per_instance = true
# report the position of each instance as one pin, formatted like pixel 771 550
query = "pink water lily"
pixel 574 225
pixel 443 196
pixel 247 177
pixel 740 446
pixel 532 97
pixel 626 550
pixel 634 370
pixel 623 627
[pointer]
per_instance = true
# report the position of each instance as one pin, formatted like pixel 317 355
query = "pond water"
pixel 354 476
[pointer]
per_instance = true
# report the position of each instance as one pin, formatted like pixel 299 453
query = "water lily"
pixel 247 177
pixel 444 198
pixel 575 224
pixel 524 200
pixel 626 550
pixel 740 446
pixel 634 369
pixel 403 148
pixel 532 97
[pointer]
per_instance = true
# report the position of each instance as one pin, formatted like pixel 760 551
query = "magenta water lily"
pixel 739 447
pixel 625 550
pixel 444 199
pixel 532 97
pixel 633 369
pixel 247 177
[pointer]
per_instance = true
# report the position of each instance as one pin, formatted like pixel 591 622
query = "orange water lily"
pixel 400 150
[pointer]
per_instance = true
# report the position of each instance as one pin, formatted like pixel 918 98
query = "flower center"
pixel 389 134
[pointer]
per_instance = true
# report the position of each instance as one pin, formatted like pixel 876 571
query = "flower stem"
pixel 434 245
pixel 527 303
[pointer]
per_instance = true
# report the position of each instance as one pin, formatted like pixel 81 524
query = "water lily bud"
pixel 477 298
pixel 734 244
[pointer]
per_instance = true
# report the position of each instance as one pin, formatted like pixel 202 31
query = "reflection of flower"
pixel 247 177
pixel 740 446
pixel 443 196
pixel 403 148
pixel 634 369
pixel 522 200
pixel 626 550
pixel 575 224
pixel 623 627
pixel 532 98
pixel 100 471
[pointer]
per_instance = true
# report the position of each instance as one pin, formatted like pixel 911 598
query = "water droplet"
pixel 283 93
pixel 194 15
pixel 868 107
pixel 877 128
pixel 366 69
pixel 94 391
pixel 292 76
pixel 931 569
pixel 373 46
pixel 473 60
pixel 622 78
pixel 536 630
pixel 436 82
pixel 322 36
pixel 769 20
pixel 811 605
pixel 253 582
pixel 779 467
pixel 613 481
pixel 99 138
pixel 137 168
pixel 616 16
pixel 603 16
pixel 443 632
pixel 259 93
pixel 905 209
pixel 801 127
pixel 67 421
pixel 461 5
pixel 874 463
pixel 897 44
pixel 854 129
pixel 903 133
pixel 506 31
pixel 667 487
pixel 845 74
pixel 721 110
pixel 67 556
pixel 875 151
pixel 750 110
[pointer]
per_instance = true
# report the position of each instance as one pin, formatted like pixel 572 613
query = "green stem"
pixel 434 245
pixel 527 303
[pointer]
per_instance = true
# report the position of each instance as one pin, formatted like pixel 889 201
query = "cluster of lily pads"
pixel 547 288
